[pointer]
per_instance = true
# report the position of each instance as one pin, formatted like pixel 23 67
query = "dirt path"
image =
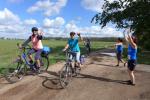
pixel 99 80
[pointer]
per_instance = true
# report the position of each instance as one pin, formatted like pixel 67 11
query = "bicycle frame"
pixel 21 65
pixel 25 60
pixel 24 57
pixel 68 54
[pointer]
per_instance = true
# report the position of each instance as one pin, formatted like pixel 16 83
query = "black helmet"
pixel 72 33
pixel 34 29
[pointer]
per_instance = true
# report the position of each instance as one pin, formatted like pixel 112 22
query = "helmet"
pixel 34 29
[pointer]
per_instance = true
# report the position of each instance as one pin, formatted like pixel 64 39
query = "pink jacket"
pixel 36 43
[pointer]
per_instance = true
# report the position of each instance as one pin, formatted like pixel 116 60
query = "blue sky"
pixel 54 17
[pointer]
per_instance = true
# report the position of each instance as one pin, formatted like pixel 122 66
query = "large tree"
pixel 133 14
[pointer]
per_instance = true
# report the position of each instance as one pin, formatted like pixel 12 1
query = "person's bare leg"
pixel 122 61
pixel 30 57
pixel 77 64
pixel 131 75
pixel 129 72
pixel 117 62
pixel 38 63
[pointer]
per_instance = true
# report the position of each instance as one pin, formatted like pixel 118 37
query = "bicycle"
pixel 20 66
pixel 87 48
pixel 68 70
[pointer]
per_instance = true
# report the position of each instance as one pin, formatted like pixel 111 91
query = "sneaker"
pixel 130 83
pixel 117 65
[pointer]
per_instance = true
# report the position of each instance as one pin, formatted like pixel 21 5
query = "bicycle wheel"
pixel 14 72
pixel 44 63
pixel 65 75
pixel 77 71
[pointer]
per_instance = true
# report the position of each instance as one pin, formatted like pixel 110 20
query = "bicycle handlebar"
pixel 69 52
pixel 24 48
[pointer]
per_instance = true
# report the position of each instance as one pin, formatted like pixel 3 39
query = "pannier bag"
pixel 46 50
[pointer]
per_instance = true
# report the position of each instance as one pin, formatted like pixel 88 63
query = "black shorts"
pixel 119 56
pixel 131 64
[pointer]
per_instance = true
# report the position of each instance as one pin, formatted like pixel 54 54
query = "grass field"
pixel 8 51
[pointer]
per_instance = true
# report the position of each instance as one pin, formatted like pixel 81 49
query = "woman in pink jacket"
pixel 37 46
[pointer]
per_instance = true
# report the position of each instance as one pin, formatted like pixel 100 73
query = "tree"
pixel 133 14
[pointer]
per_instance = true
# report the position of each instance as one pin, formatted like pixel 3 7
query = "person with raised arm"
pixel 132 56
pixel 37 46
pixel 73 46
pixel 119 51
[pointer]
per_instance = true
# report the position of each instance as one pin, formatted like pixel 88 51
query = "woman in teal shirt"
pixel 73 46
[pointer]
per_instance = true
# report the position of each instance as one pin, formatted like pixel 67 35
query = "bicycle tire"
pixel 65 75
pixel 44 63
pixel 76 71
pixel 14 72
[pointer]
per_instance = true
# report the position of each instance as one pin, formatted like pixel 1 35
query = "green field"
pixel 9 51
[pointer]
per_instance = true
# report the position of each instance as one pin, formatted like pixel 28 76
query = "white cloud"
pixel 71 27
pixel 63 30
pixel 11 25
pixel 93 5
pixel 54 27
pixel 7 17
pixel 92 31
pixel 49 7
pixel 30 22
pixel 9 22
pixel 55 23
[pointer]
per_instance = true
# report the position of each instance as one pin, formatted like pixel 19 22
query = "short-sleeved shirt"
pixel 119 48
pixel 132 53
pixel 73 45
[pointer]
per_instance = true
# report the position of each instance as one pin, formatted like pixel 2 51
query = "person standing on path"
pixel 132 57
pixel 119 51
